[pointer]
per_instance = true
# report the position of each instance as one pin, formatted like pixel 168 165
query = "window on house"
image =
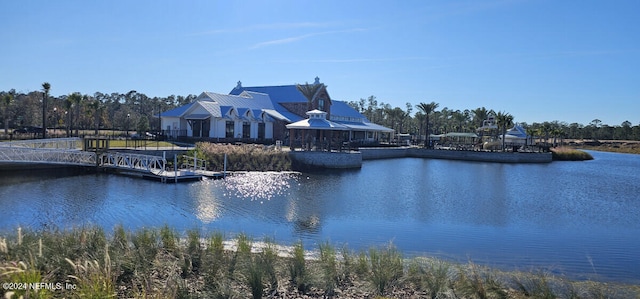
pixel 321 104
pixel 229 129
pixel 246 129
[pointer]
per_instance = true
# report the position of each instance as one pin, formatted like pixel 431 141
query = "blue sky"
pixel 571 61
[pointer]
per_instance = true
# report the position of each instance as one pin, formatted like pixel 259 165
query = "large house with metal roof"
pixel 261 113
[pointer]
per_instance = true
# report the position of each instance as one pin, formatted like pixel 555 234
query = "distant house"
pixel 262 112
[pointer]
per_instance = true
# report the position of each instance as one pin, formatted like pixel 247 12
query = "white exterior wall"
pixel 254 130
pixel 268 130
pixel 217 125
pixel 237 129
pixel 213 125
pixel 169 121
pixel 220 128
pixel 172 124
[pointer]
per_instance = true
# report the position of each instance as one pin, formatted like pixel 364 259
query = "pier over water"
pixel 88 153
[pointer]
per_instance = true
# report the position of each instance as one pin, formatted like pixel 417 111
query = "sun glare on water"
pixel 259 186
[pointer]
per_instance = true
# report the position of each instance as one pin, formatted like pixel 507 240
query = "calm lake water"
pixel 579 219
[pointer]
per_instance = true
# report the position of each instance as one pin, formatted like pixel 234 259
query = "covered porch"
pixel 317 133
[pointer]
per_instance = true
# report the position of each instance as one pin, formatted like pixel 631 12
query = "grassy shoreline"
pixel 569 154
pixel 246 157
pixel 162 263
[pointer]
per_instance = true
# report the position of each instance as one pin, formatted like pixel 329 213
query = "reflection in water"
pixel 207 205
pixel 576 216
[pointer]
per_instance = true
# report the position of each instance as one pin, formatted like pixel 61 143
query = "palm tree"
pixel 479 115
pixel 68 103
pixel 504 119
pixel 556 132
pixel 530 132
pixel 460 120
pixel 45 87
pixel 427 109
pixel 309 91
pixel 6 102
pixel 74 100
pixel 96 108
pixel 419 118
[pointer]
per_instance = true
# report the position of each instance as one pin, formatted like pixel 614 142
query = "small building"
pixel 261 113
pixel 289 102
pixel 220 116
pixel 517 136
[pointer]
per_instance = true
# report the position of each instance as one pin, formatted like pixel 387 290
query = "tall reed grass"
pixel 245 157
pixel 569 154
pixel 164 263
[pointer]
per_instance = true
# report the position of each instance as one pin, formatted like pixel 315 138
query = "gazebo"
pixel 317 121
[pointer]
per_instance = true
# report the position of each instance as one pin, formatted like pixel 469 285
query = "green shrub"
pixel 329 266
pixel 298 269
pixel 22 272
pixel 193 256
pixel 535 285
pixel 472 282
pixel 146 247
pixel 169 238
pixel 386 268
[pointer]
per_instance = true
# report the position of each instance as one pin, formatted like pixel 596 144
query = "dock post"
pixel 224 173
pixel 175 167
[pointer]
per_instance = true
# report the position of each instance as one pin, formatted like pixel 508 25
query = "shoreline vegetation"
pixel 569 154
pixel 614 146
pixel 162 263
pixel 245 157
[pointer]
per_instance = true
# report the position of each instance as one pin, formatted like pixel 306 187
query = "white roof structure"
pixel 517 132
pixel 317 121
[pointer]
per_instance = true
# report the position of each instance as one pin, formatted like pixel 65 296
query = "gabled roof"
pixel 517 132
pixel 341 108
pixel 251 100
pixel 291 94
pixel 212 107
pixel 177 112
pixel 220 104
pixel 278 94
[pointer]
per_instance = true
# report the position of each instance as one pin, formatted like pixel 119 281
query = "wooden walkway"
pixel 67 152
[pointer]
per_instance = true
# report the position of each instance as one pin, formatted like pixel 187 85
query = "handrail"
pixel 51 143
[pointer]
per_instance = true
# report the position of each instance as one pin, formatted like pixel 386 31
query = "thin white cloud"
pixel 301 37
pixel 265 27
pixel 356 60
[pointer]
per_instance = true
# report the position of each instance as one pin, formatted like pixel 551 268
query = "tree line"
pixel 135 111
pixel 131 111
pixel 427 117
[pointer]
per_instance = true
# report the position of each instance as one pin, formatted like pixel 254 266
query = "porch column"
pixel 303 141
pixel 321 141
pixel 292 138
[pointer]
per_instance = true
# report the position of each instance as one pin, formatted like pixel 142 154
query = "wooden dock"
pixel 180 175
pixel 62 152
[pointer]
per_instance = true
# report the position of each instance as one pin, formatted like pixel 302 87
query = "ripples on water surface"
pixel 576 218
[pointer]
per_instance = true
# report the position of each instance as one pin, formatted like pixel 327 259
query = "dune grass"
pixel 569 154
pixel 247 157
pixel 163 263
